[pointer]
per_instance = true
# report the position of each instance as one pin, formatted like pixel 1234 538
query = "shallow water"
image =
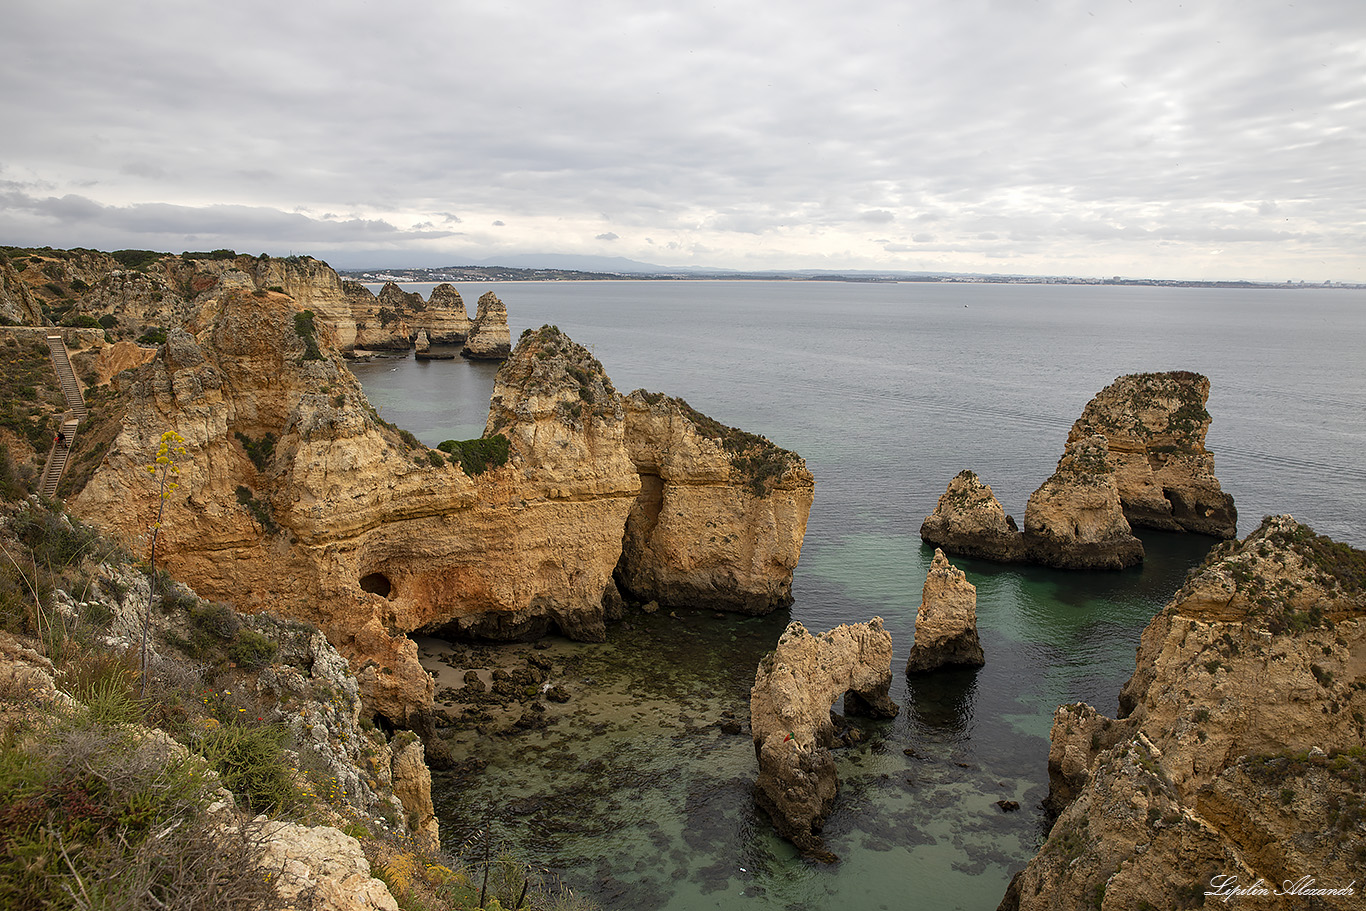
pixel 634 793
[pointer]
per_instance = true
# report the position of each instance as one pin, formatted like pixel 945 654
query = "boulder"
pixel 790 719
pixel 946 624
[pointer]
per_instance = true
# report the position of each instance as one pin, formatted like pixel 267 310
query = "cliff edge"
pixel 1240 753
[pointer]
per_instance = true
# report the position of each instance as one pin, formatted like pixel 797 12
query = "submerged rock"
pixel 946 624
pixel 790 720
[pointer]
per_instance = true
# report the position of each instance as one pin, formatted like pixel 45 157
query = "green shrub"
pixel 108 321
pixel 153 336
pixel 136 259
pixel 259 451
pixel 250 761
pixel 252 650
pixel 82 321
pixel 305 328
pixel 477 456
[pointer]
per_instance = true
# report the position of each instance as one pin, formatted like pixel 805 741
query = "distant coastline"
pixel 514 274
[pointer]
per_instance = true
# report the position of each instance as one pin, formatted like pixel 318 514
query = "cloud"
pixel 607 236
pixel 1132 126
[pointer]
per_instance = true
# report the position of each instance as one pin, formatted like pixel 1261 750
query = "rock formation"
pixel 1155 471
pixel 489 337
pixel 17 303
pixel 721 513
pixel 1074 520
pixel 794 689
pixel 946 624
pixel 295 497
pixel 1239 749
pixel 1155 425
pixel 970 521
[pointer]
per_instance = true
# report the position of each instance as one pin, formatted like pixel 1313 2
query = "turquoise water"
pixel 633 792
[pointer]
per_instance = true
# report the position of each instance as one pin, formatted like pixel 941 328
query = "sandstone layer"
pixel 794 689
pixel 970 521
pixel 1240 749
pixel 1155 425
pixel 946 623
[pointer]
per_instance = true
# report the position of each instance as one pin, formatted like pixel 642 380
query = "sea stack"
pixel 970 521
pixel 946 624
pixel 1074 520
pixel 794 689
pixel 489 337
pixel 1155 426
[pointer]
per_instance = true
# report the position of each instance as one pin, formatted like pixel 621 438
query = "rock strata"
pixel 946 623
pixel 1074 520
pixel 1155 426
pixel 1239 749
pixel 790 718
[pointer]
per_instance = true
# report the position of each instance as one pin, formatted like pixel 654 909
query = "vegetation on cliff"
pixel 188 786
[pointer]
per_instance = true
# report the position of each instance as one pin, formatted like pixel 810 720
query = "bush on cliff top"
pixel 477 456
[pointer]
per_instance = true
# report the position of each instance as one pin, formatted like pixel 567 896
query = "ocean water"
pixel 887 390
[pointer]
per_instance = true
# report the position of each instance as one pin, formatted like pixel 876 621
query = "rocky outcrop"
pixel 946 623
pixel 1239 753
pixel 489 337
pixel 320 867
pixel 720 516
pixel 447 321
pixel 18 306
pixel 970 521
pixel 1074 520
pixel 794 689
pixel 1155 426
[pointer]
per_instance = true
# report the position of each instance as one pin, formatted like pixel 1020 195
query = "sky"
pixel 1202 139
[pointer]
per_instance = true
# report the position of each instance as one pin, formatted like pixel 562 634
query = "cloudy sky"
pixel 1196 139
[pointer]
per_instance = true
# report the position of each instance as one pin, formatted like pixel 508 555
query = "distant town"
pixel 511 274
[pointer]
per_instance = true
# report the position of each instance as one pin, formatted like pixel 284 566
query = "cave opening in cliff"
pixel 377 584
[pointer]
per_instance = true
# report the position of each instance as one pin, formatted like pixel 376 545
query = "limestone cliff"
pixel 970 521
pixel 489 337
pixel 1074 520
pixel 1155 425
pixel 794 689
pixel 295 497
pixel 721 513
pixel 1240 753
pixel 946 623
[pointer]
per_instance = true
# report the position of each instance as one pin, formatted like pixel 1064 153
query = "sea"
pixel 633 797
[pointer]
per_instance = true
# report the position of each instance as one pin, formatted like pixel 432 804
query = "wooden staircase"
pixel 75 413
